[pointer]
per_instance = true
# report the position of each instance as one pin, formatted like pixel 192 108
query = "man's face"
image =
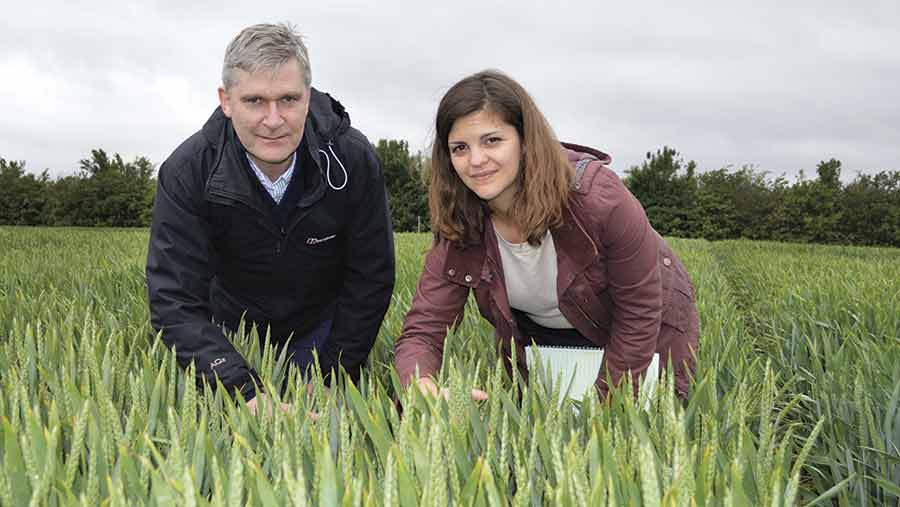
pixel 268 109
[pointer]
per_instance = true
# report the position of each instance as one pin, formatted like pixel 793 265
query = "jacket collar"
pixel 575 251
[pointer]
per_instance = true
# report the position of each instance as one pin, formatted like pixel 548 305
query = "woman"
pixel 515 215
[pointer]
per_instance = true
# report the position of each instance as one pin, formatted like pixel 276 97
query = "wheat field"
pixel 796 400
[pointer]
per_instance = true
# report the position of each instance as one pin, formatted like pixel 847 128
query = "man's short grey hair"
pixel 264 46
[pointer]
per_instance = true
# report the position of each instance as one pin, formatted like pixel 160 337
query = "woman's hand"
pixel 429 388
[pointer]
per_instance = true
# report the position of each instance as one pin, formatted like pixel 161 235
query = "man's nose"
pixel 273 118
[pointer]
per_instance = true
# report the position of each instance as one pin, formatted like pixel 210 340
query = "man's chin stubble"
pixel 257 157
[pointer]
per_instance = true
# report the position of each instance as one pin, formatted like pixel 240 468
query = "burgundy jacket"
pixel 618 282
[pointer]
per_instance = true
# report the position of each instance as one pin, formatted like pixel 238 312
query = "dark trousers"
pixel 300 348
pixel 540 335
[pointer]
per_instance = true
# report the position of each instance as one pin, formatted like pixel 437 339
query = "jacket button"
pixel 468 278
pixel 667 261
pixel 451 272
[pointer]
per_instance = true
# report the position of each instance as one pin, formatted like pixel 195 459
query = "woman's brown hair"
pixel 457 214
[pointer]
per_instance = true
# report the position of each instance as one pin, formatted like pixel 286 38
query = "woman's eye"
pixel 457 148
pixel 492 140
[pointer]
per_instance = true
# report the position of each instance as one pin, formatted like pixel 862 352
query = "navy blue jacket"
pixel 216 255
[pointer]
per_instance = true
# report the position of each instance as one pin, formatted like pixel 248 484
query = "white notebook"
pixel 580 366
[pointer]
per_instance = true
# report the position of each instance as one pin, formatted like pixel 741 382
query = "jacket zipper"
pixel 300 216
pixel 280 242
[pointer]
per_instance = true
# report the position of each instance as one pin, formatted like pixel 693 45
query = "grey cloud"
pixel 780 85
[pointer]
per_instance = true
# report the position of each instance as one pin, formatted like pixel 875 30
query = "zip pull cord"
pixel 328 168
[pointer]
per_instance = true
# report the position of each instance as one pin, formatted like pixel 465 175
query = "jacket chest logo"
pixel 315 241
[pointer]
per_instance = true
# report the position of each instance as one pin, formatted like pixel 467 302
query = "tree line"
pixel 744 203
pixel 679 200
pixel 105 191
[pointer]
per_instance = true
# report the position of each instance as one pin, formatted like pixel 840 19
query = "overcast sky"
pixel 776 84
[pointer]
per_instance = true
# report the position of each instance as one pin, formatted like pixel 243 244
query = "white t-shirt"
pixel 530 274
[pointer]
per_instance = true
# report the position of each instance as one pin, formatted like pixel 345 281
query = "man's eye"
pixel 253 100
pixel 289 100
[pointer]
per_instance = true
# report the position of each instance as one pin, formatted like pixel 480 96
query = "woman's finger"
pixel 479 395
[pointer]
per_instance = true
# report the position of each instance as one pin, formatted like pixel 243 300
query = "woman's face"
pixel 486 153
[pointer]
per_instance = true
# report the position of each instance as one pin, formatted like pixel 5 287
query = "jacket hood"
pixel 327 116
pixel 327 119
pixel 578 152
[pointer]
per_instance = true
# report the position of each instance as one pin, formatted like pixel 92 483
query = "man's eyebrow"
pixel 283 95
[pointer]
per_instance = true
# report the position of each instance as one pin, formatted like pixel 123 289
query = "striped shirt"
pixel 275 188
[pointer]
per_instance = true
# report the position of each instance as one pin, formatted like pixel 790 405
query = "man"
pixel 274 212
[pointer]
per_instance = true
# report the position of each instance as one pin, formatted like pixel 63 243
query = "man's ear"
pixel 223 101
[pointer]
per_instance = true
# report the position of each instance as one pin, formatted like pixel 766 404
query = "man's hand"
pixel 262 399
pixel 311 389
pixel 429 388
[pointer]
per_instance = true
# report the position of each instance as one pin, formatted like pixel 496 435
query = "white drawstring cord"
pixel 328 168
